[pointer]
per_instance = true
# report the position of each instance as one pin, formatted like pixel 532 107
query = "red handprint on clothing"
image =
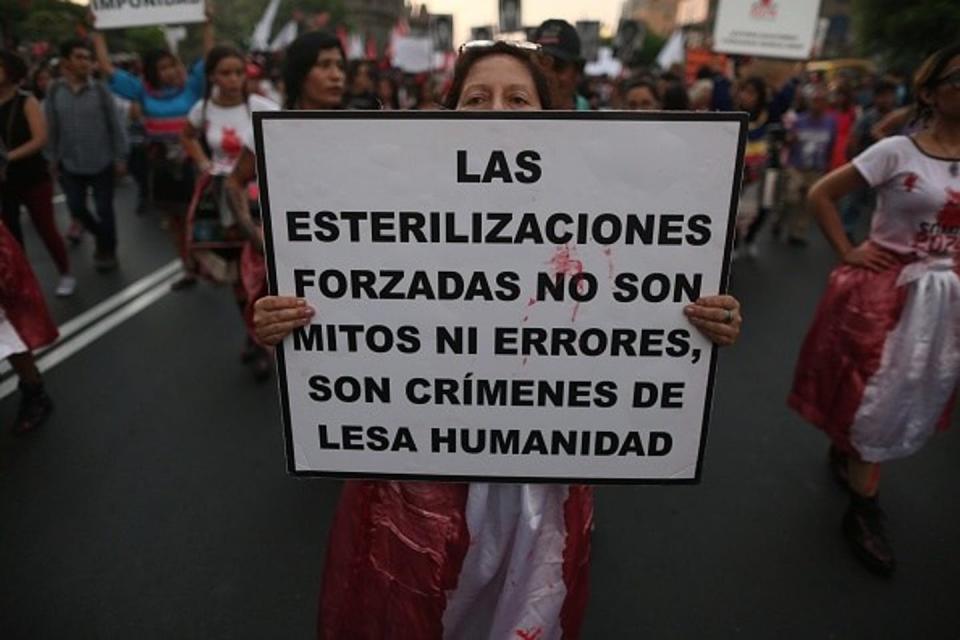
pixel 910 182
pixel 949 216
pixel 232 145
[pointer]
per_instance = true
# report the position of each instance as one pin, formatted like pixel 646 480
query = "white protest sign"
pixel 766 28
pixel 499 295
pixel 116 14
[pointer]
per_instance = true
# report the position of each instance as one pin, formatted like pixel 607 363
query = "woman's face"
pixel 640 99
pixel 385 89
pixel 43 80
pixel 323 86
pixel 499 83
pixel 170 72
pixel 747 98
pixel 229 76
pixel 363 80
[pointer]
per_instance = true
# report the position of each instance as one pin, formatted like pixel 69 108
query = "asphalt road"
pixel 155 503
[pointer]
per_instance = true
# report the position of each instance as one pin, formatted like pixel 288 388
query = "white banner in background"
pixel 766 28
pixel 116 14
pixel 499 296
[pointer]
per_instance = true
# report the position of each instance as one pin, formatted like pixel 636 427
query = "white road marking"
pixel 94 313
pixel 63 350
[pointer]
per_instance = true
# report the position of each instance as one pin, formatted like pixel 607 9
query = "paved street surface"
pixel 155 503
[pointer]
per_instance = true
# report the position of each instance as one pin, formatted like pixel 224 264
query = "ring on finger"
pixel 728 318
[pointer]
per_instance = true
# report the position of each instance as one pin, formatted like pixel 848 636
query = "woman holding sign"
pixel 880 365
pixel 453 560
pixel 165 94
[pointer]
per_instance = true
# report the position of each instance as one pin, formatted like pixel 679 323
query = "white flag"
pixel 260 40
pixel 286 36
pixel 672 52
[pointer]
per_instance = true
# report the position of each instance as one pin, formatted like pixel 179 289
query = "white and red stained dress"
pixel 437 561
pixel 25 323
pixel 880 365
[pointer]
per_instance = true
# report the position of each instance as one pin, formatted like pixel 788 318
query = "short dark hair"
pixel 675 97
pixel 640 83
pixel 13 65
pixel 301 58
pixel 759 87
pixel 67 46
pixel 471 56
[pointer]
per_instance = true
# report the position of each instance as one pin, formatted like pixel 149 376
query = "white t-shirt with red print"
pixel 918 198
pixel 227 128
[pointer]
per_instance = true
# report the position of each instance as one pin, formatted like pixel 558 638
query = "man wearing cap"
pixel 562 62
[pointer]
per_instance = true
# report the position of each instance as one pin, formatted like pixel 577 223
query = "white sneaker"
pixel 66 286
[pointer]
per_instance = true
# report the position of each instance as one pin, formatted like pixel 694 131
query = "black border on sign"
pixel 648 116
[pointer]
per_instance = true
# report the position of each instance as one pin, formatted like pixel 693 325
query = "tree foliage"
pixel 38 20
pixel 903 32
pixel 26 21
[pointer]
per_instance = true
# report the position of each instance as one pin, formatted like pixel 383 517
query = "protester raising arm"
pixel 100 49
pixel 209 34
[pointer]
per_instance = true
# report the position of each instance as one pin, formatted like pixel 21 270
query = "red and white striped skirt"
pixel 441 561
pixel 880 365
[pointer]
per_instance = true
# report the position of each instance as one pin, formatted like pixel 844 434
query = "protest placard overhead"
pixel 766 28
pixel 116 14
pixel 499 296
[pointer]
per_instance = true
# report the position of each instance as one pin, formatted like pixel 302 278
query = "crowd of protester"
pixel 184 134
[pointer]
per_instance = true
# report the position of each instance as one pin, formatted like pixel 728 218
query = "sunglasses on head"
pixel 486 44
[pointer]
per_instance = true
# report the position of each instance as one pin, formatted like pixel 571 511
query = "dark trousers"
pixel 103 227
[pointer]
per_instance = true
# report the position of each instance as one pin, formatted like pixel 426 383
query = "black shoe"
pixel 104 261
pixel 837 461
pixel 863 529
pixel 35 407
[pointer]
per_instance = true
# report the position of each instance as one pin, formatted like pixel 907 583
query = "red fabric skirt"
pixel 396 555
pixel 253 279
pixel 21 297
pixel 844 347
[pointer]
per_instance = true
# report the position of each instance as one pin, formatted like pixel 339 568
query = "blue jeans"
pixel 103 227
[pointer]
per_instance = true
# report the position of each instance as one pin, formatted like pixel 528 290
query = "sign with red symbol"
pixel 766 28
pixel 499 295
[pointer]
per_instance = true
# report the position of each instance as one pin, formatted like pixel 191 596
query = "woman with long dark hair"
pixel 314 76
pixel 752 96
pixel 453 560
pixel 880 365
pixel 213 138
pixel 26 178
pixel 166 94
